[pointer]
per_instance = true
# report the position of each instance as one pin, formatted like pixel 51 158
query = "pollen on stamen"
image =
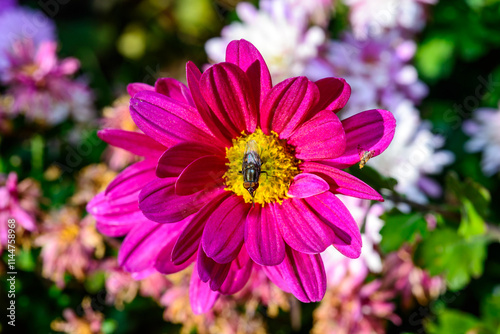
pixel 278 161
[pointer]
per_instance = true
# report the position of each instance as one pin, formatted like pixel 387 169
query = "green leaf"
pixel 453 322
pixel 490 310
pixel 444 252
pixel 25 260
pixel 472 223
pixel 401 228
pixel 434 58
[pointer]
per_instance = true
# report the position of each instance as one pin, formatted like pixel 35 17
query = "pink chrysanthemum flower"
pixel 68 245
pixel 353 306
pixel 18 201
pixel 41 86
pixel 411 282
pixel 195 189
pixel 90 322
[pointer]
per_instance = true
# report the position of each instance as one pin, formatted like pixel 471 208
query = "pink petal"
pixel 238 275
pixel 201 297
pixel 189 240
pixel 223 235
pixel 23 217
pixel 275 274
pixel 164 263
pixel 300 227
pixel 287 105
pixel 307 185
pixel 248 58
pixel 227 91
pixel 203 173
pixel 193 76
pixel 117 209
pixel 134 142
pixel 115 220
pixel 179 156
pixel 135 88
pixel 263 238
pixel 166 120
pixel 341 182
pixel 370 130
pixel 174 89
pixel 332 211
pixel 322 137
pixel 333 94
pixel 159 202
pixel 305 275
pixel 209 270
pixel 132 179
pixel 141 246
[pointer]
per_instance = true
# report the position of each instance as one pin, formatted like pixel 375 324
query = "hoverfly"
pixel 251 168
pixel 364 156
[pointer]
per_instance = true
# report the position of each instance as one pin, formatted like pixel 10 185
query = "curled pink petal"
pixel 203 173
pixel 369 131
pixel 248 58
pixel 134 142
pixel 322 137
pixel 164 263
pixel 115 220
pixel 141 246
pixel 287 105
pixel 189 240
pixel 223 235
pixel 227 91
pixel 238 275
pixel 174 89
pixel 305 275
pixel 137 87
pixel 333 94
pixel 301 229
pixel 341 182
pixel 193 76
pixel 263 239
pixel 209 270
pixel 165 120
pixel 201 297
pixel 307 185
pixel 155 194
pixel 179 156
pixel 331 210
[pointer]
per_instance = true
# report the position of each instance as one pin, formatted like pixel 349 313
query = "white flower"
pixel 374 17
pixel 485 136
pixel 280 33
pixel 412 154
pixel 368 219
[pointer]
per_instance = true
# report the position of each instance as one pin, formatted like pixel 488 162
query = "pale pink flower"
pixel 485 138
pixel 69 245
pixel 85 321
pixel 18 201
pixel 411 282
pixel 279 31
pixel 374 17
pixel 352 306
pixel 41 85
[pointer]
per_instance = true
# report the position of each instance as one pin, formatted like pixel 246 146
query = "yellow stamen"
pixel 278 161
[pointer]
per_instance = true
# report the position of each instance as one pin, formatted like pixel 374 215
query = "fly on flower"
pixel 251 168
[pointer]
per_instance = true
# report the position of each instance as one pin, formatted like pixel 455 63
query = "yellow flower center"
pixel 279 167
pixel 69 233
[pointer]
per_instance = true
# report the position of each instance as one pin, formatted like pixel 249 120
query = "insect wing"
pixel 252 154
